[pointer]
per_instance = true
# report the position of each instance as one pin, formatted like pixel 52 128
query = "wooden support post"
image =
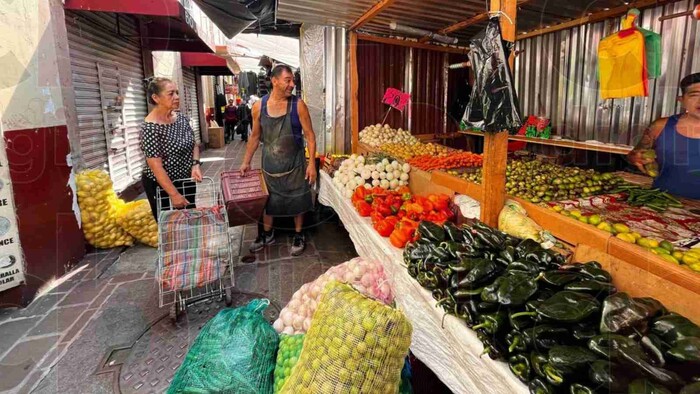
pixel 496 145
pixel 354 87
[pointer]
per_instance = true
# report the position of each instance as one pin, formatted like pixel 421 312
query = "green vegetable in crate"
pixel 608 376
pixel 578 388
pixel 354 344
pixel 287 356
pixel 693 388
pixel 431 231
pixel 568 307
pixel 672 327
pixel 592 286
pixel 623 314
pixel 686 350
pixel 644 386
pixel 519 365
pixel 625 350
pixel 537 181
pixel 654 199
pixel 539 385
pixel 570 360
pixel 511 289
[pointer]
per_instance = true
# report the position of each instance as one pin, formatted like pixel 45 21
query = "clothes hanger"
pixel 629 23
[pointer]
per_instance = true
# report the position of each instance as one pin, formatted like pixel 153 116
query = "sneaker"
pixel 262 240
pixel 298 245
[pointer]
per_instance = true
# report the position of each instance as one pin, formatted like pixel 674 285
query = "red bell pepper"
pixel 386 226
pixel 363 208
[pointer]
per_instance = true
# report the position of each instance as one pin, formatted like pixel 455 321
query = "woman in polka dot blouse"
pixel 167 141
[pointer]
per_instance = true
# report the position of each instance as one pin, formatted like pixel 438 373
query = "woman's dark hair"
pixel 154 85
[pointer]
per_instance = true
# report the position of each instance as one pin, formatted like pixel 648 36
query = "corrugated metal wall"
pixel 428 91
pixel 557 74
pixel 420 72
pixel 189 104
pixel 105 65
pixel 380 66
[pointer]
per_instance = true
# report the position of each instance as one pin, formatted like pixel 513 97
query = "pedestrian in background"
pixel 230 121
pixel 244 115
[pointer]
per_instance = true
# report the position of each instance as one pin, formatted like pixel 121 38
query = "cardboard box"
pixel 216 137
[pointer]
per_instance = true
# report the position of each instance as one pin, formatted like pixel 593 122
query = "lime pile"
pixel 287 357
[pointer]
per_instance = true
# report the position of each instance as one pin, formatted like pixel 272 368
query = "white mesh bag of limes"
pixel 354 345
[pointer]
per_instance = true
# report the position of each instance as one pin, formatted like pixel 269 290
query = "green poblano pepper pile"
pixel 561 327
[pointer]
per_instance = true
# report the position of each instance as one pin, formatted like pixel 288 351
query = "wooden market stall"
pixel 636 270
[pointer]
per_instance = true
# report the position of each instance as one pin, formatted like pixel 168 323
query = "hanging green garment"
pixel 652 46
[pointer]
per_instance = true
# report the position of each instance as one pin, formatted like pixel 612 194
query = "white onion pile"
pixel 367 277
pixel 378 135
pixel 355 171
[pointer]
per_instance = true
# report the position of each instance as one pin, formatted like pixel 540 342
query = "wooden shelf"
pixel 458 185
pixel 609 148
pixel 641 276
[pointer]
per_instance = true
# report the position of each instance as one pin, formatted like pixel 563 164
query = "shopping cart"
pixel 194 250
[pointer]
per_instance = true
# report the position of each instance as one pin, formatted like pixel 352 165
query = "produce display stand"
pixel 449 348
pixel 443 343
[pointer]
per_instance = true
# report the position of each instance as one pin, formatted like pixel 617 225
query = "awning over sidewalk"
pixel 230 16
pixel 248 49
pixel 169 25
pixel 209 64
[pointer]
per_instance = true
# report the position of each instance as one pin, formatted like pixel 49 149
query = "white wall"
pixel 30 88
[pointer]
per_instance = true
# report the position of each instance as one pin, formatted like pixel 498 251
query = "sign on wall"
pixel 11 261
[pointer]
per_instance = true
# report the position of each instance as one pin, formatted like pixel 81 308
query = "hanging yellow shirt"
pixel 622 65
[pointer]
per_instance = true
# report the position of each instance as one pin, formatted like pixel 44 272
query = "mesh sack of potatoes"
pixel 355 345
pixel 136 218
pixel 98 207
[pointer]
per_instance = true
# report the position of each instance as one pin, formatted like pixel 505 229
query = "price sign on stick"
pixel 396 98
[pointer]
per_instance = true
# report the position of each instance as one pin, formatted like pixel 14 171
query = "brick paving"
pixel 74 337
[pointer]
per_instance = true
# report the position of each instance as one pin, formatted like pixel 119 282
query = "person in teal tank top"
pixel 675 143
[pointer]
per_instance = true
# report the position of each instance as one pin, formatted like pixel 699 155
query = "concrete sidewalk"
pixel 101 330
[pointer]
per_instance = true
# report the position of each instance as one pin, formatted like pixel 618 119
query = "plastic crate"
pixel 244 197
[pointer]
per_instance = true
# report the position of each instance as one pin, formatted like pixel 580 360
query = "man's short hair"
pixel 277 71
pixel 691 79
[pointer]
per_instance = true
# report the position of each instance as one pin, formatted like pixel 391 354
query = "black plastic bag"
pixel 493 83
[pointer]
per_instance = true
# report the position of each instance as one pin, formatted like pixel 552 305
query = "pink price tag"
pixel 396 98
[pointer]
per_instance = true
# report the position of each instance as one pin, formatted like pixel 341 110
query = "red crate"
pixel 245 197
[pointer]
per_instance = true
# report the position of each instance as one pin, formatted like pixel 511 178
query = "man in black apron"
pixel 282 122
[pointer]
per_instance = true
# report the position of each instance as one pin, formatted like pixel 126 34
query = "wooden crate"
pixel 638 282
pixel 421 182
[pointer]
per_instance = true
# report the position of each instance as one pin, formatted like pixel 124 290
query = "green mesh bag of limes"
pixel 287 357
pixel 234 353
pixel 354 345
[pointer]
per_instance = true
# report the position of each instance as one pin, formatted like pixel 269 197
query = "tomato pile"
pixel 454 160
pixel 396 213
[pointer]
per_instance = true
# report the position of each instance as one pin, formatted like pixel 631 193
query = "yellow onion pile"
pixel 136 218
pixel 98 207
